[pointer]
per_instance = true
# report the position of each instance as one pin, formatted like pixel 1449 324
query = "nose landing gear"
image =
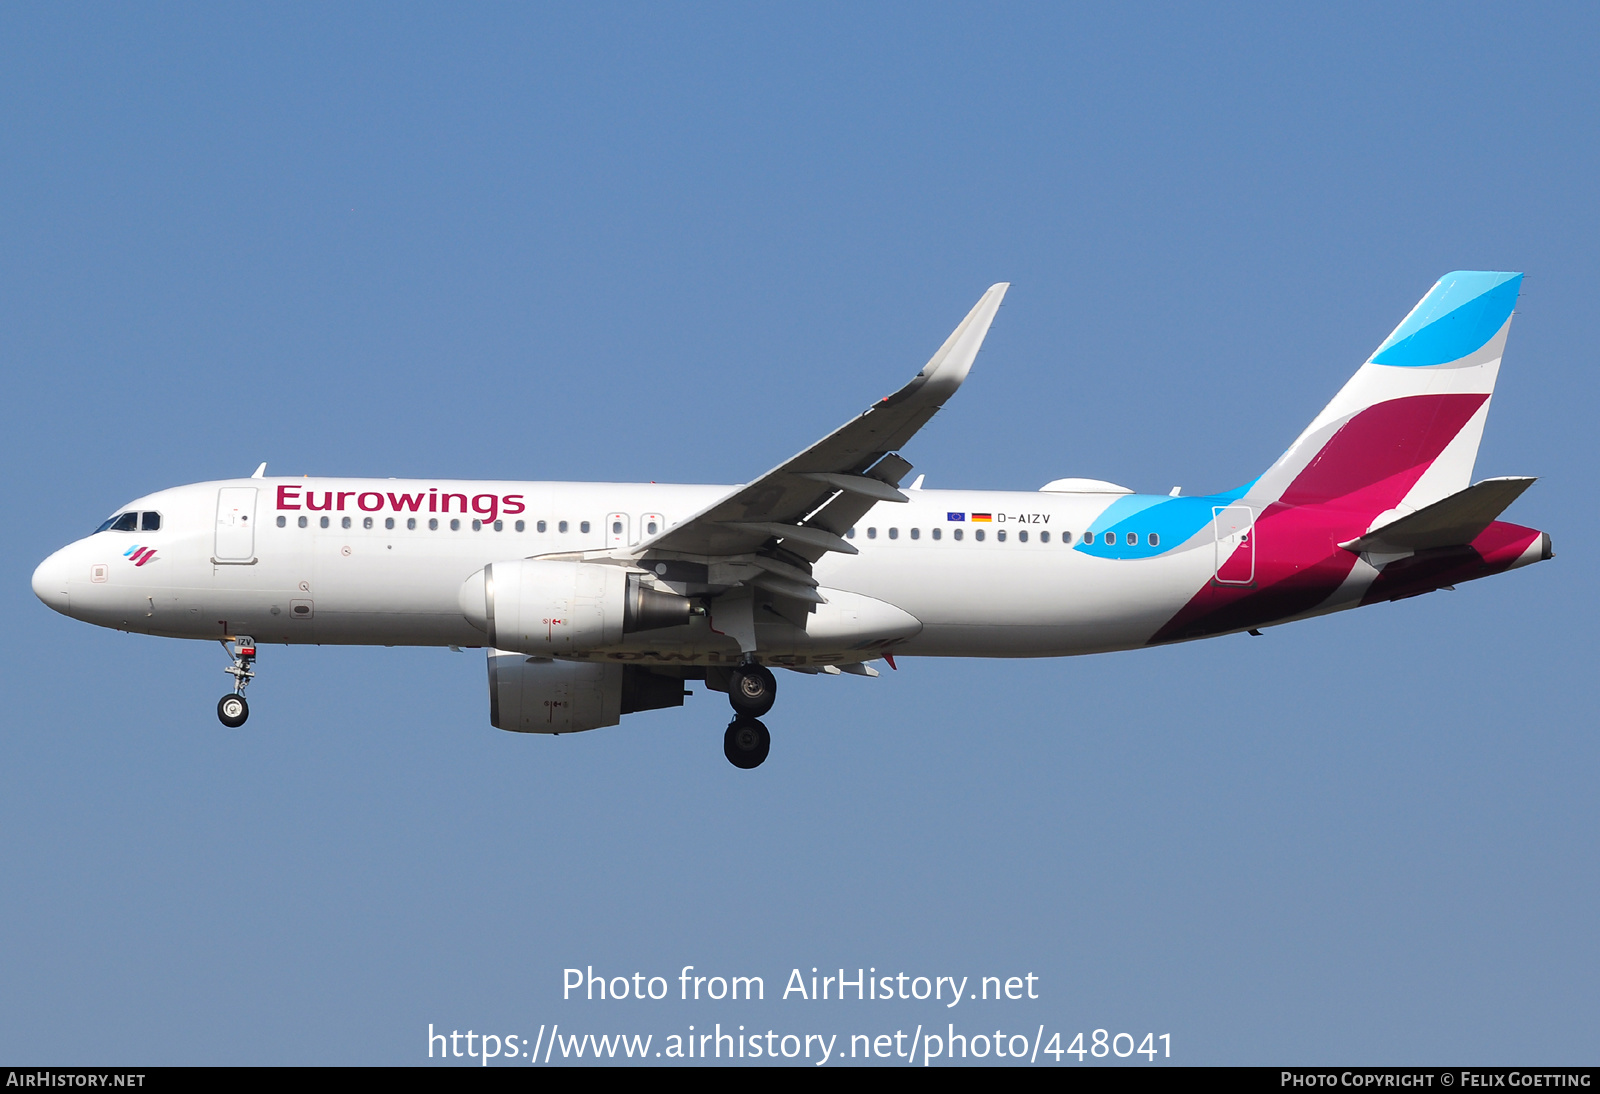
pixel 232 710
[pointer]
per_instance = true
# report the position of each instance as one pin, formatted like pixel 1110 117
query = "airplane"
pixel 597 600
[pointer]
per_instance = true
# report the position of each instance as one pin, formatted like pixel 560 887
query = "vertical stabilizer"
pixel 1404 432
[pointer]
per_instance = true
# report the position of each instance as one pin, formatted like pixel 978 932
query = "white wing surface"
pixel 800 509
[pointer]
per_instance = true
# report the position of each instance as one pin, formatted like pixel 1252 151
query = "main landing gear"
pixel 746 743
pixel 232 710
pixel 751 691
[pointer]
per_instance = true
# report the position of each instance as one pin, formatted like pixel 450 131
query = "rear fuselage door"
pixel 236 519
pixel 1236 544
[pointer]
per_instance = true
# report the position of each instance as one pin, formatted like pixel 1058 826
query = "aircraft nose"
pixel 50 581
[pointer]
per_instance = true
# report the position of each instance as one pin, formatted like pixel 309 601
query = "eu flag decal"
pixel 955 516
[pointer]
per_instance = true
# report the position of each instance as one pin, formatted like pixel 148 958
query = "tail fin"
pixel 1404 432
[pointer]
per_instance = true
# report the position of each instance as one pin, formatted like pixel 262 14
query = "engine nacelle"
pixel 537 696
pixel 533 695
pixel 551 609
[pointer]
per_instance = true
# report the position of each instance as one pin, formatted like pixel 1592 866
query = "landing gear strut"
pixel 232 710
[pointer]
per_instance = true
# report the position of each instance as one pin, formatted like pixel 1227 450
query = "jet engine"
pixel 535 695
pixel 555 608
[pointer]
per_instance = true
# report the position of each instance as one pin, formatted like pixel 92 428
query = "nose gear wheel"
pixel 232 710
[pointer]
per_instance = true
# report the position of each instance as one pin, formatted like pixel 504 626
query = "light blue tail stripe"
pixel 1462 312
pixel 1174 520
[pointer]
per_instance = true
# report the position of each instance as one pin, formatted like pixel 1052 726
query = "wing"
pixel 751 552
pixel 803 505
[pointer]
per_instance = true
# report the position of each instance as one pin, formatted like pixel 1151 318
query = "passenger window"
pixel 301 522
pixel 1022 537
pixel 1044 537
pixel 650 529
pixel 583 526
pixel 127 522
pixel 323 522
pixel 938 534
pixel 433 524
pixel 957 533
pixel 455 525
pixel 344 523
pixel 149 522
pixel 541 526
pixel 1088 538
pixel 561 526
pixel 366 522
pixel 977 534
pixel 477 526
pixel 851 534
pixel 522 526
pixel 872 533
pixel 1154 539
pixel 388 522
pixel 1066 537
pixel 499 526
pixel 894 533
pixel 282 521
pixel 1133 539
pixel 411 524
pixel 1000 535
pixel 916 533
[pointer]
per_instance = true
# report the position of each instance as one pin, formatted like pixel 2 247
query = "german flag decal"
pixel 982 518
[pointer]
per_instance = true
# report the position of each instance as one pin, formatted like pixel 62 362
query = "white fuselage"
pixel 366 567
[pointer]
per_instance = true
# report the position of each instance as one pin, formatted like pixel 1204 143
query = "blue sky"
pixel 679 244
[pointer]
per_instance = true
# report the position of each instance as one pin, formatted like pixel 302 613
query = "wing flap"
pixel 799 533
pixel 865 485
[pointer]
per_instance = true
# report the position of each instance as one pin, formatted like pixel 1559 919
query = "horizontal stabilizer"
pixel 1456 521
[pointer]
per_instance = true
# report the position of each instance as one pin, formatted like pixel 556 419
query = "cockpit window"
pixel 131 522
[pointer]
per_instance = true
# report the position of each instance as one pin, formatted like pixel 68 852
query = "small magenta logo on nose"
pixel 139 555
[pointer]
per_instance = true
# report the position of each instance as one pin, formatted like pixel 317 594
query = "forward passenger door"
pixel 236 533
